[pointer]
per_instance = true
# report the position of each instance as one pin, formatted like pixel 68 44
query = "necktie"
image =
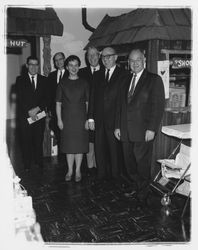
pixel 130 92
pixel 60 77
pixel 107 76
pixel 93 71
pixel 33 83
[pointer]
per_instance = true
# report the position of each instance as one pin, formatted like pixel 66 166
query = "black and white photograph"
pixel 98 124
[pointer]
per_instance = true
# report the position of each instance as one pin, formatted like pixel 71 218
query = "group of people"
pixel 102 111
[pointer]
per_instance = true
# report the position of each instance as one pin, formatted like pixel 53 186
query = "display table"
pixel 181 131
pixel 163 144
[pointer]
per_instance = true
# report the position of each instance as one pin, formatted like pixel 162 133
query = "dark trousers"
pixel 32 142
pixel 137 157
pixel 107 153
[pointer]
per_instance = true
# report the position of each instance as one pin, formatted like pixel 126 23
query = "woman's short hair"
pixel 72 58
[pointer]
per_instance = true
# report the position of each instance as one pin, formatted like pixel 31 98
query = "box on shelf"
pixel 177 97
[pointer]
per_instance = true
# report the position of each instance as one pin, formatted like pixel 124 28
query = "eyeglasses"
pixel 107 56
pixel 60 59
pixel 135 61
pixel 31 64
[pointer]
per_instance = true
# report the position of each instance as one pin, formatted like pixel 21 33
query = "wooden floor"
pixel 98 212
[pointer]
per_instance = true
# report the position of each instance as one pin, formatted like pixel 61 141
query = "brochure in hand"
pixel 39 116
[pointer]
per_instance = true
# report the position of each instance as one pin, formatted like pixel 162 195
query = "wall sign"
pixel 16 43
pixel 178 63
pixel 163 71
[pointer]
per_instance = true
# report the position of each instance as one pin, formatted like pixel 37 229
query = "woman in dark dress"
pixel 71 109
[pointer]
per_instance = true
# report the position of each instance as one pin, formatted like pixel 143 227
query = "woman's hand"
pixel 60 124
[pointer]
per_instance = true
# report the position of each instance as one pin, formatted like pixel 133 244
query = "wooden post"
pixel 46 71
pixel 153 55
pixel 46 55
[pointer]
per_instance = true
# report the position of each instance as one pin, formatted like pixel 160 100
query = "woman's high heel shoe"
pixel 68 177
pixel 78 178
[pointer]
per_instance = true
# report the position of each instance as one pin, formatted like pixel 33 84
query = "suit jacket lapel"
pixel 89 72
pixel 38 82
pixel 29 83
pixel 114 75
pixel 128 82
pixel 56 75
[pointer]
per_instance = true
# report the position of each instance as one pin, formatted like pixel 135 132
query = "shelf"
pixel 169 52
pixel 180 76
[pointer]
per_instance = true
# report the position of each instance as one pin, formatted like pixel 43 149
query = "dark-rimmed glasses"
pixel 107 56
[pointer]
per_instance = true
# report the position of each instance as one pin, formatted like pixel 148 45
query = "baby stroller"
pixel 174 174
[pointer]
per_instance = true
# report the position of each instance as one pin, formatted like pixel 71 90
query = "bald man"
pixel 102 109
pixel 140 109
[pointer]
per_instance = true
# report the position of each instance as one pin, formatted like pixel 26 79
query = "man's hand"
pixel 117 133
pixel 34 117
pixel 60 124
pixel 33 112
pixel 91 125
pixel 149 135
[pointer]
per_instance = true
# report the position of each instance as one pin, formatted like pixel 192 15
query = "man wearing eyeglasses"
pixel 53 80
pixel 139 112
pixel 102 109
pixel 31 99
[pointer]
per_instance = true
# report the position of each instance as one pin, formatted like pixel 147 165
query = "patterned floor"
pixel 98 212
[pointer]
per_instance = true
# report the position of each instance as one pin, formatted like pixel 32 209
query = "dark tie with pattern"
pixel 131 90
pixel 33 83
pixel 107 76
pixel 60 77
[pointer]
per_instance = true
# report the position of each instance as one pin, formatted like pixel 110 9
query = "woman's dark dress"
pixel 73 94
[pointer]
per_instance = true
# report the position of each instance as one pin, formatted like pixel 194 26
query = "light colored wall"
pixel 14 64
pixel 75 36
pixel 73 41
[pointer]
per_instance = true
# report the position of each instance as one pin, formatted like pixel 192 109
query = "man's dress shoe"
pixel 130 194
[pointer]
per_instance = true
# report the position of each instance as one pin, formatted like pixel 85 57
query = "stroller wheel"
pixel 165 201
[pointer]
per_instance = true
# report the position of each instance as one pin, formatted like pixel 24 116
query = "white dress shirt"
pixel 96 68
pixel 59 73
pixel 111 70
pixel 138 75
pixel 35 79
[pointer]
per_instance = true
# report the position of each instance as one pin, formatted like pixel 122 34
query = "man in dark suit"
pixel 31 98
pixel 140 108
pixel 88 73
pixel 102 109
pixel 52 82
